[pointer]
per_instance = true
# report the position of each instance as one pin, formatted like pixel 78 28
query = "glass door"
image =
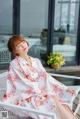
pixel 65 29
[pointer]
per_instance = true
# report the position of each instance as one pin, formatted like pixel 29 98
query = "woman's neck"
pixel 24 56
pixel 27 58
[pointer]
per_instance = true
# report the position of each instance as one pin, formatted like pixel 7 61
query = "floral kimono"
pixel 31 86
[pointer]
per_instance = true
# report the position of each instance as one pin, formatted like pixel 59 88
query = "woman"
pixel 28 83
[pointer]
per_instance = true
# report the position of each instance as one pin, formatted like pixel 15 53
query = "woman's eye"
pixel 21 44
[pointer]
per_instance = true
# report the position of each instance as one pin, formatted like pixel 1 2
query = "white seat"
pixel 21 111
pixel 18 110
pixel 76 100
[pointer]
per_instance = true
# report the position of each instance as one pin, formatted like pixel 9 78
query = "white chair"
pixel 77 111
pixel 76 101
pixel 15 110
pixel 21 111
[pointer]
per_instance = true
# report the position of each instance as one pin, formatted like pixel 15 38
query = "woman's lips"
pixel 25 49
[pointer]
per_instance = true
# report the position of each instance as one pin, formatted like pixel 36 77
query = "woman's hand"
pixel 71 90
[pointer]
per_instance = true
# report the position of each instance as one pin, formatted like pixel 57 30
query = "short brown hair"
pixel 13 41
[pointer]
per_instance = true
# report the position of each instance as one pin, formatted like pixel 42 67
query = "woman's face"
pixel 21 48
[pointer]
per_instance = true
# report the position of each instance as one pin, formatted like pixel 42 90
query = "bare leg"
pixel 63 110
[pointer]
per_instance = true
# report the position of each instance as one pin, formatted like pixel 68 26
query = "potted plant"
pixel 56 60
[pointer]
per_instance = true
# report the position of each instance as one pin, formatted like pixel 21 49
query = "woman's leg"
pixel 63 110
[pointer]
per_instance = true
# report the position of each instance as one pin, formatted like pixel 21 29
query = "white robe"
pixel 31 86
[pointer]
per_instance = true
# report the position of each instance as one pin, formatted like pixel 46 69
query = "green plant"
pixel 56 58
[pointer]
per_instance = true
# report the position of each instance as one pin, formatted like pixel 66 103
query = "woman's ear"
pixel 27 43
pixel 15 53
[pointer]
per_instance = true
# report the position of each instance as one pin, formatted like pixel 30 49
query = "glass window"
pixel 33 16
pixel 66 14
pixel 64 17
pixel 33 24
pixel 58 15
pixel 65 29
pixel 6 13
pixel 5 16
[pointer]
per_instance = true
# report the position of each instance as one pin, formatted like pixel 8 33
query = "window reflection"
pixel 34 25
pixel 65 29
pixel 6 16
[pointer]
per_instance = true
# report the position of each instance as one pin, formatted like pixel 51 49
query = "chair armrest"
pixel 77 111
pixel 22 109
pixel 65 76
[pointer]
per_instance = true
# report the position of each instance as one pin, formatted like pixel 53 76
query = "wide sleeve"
pixel 10 89
pixel 51 81
pixel 40 66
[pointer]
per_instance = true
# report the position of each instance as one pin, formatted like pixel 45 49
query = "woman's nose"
pixel 23 45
